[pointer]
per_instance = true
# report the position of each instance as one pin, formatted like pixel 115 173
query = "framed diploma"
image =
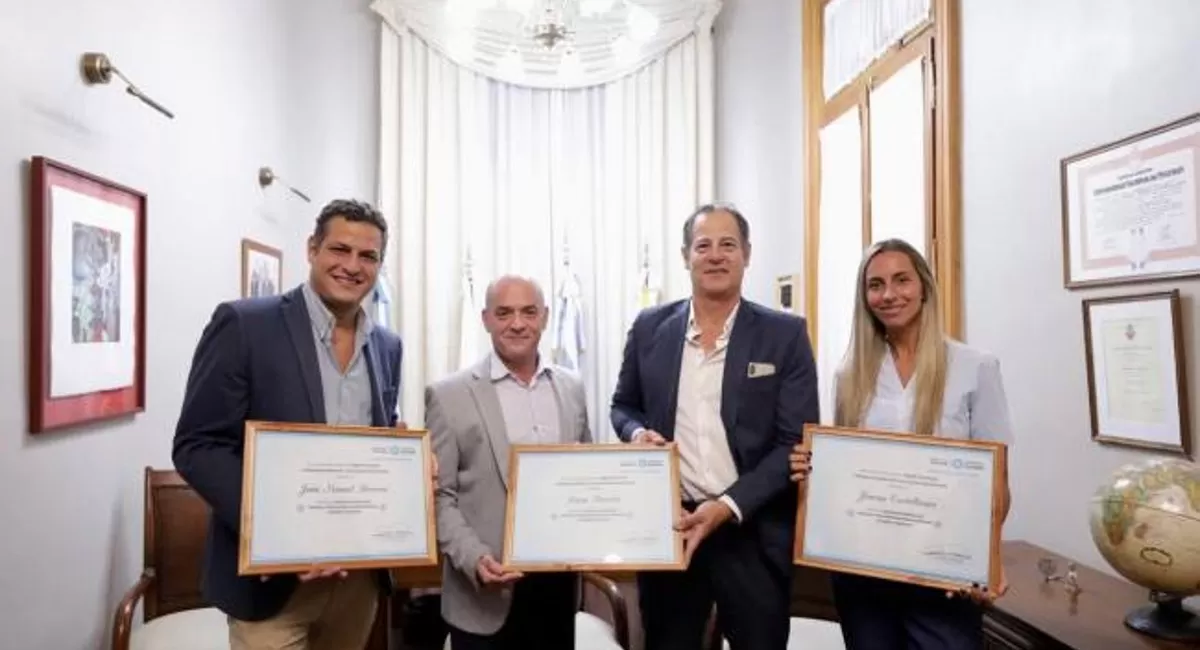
pixel 902 507
pixel 1129 208
pixel 350 497
pixel 595 507
pixel 1137 385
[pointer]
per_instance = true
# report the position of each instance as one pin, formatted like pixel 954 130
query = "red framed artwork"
pixel 87 312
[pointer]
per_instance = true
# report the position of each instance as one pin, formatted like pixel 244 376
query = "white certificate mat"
pixel 901 507
pixel 1138 394
pixel 593 507
pixel 335 497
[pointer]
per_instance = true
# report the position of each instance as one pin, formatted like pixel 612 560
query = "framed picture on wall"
pixel 1137 384
pixel 787 297
pixel 87 288
pixel 262 269
pixel 1130 208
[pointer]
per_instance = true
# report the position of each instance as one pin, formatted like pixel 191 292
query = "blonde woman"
pixel 902 373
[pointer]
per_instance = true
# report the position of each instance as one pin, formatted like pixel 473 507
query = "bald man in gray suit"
pixel 513 396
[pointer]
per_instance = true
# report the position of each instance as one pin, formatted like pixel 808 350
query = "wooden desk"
pixel 1034 614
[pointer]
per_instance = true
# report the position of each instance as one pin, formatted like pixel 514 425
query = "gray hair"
pixel 511 277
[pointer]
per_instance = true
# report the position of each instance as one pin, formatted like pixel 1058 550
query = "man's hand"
pixel 698 525
pixel 492 573
pixel 649 437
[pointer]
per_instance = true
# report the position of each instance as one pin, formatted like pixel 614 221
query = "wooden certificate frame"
pixel 1146 330
pixel 416 441
pixel 1145 190
pixel 998 454
pixel 671 454
pixel 87 298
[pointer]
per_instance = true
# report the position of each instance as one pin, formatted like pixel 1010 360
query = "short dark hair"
pixel 689 226
pixel 350 210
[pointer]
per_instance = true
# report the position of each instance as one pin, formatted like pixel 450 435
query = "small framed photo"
pixel 262 269
pixel 1137 384
pixel 787 298
pixel 1131 208
pixel 87 311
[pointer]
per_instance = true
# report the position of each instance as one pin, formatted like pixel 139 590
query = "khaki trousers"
pixel 325 614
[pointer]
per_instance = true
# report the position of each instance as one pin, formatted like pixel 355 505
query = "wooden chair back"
pixel 176 524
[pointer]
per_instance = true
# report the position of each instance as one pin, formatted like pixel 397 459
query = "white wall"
pixel 1041 81
pixel 760 134
pixel 286 83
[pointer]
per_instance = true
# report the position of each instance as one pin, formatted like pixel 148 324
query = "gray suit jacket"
pixel 462 413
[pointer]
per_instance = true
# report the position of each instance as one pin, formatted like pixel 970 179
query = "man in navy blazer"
pixel 732 384
pixel 311 355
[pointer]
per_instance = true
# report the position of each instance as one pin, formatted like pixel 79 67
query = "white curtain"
pixel 858 31
pixel 523 177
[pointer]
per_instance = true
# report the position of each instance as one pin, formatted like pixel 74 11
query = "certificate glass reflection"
pixel 902 507
pixel 593 507
pixel 353 497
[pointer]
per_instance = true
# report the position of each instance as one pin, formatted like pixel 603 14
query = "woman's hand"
pixel 981 595
pixel 801 463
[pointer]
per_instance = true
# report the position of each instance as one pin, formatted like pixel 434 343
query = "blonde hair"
pixel 868 343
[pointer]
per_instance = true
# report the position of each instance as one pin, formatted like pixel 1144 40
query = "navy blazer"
pixel 256 360
pixel 764 416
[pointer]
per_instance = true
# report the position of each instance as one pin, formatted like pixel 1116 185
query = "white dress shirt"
pixel 974 406
pixel 706 466
pixel 530 410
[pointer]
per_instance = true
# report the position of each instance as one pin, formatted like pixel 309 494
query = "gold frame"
pixel 1178 357
pixel 515 451
pixel 254 427
pixel 1069 231
pixel 999 472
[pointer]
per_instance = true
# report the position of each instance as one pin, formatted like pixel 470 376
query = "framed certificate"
pixel 350 497
pixel 1137 383
pixel 1131 208
pixel 595 507
pixel 902 507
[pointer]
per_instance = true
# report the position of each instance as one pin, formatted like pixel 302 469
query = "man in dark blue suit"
pixel 312 355
pixel 732 384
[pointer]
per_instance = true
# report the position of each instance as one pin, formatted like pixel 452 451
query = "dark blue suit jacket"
pixel 764 416
pixel 256 360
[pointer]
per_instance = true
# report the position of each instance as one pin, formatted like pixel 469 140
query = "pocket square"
pixel 758 369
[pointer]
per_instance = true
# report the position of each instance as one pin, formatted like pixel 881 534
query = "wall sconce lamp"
pixel 98 69
pixel 266 176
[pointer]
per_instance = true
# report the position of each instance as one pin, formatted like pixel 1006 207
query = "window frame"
pixel 937 38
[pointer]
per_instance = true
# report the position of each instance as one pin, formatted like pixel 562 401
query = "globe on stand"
pixel 1145 521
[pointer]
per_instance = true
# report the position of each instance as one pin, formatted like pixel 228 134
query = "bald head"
pixel 515 316
pixel 505 283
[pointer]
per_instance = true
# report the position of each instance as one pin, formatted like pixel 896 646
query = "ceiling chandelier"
pixel 555 24
pixel 551 43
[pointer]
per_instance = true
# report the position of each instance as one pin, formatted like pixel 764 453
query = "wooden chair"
pixel 175 614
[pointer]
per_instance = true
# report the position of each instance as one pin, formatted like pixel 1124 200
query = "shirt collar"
pixel 693 331
pixel 323 319
pixel 499 371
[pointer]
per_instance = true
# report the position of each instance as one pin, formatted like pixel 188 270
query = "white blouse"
pixel 974 406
